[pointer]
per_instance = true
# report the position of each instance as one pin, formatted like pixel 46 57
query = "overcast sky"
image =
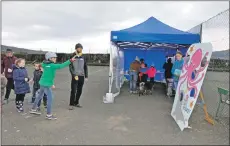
pixel 60 25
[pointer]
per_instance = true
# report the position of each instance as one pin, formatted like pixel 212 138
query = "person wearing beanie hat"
pixel 137 59
pixel 179 53
pixel 152 73
pixel 133 73
pixel 79 73
pixel 7 70
pixel 46 82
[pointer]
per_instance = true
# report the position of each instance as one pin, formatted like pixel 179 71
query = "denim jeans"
pixel 133 80
pixel 175 83
pixel 48 92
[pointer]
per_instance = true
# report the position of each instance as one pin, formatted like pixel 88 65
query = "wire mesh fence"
pixel 216 31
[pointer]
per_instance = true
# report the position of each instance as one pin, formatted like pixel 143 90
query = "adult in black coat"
pixel 168 67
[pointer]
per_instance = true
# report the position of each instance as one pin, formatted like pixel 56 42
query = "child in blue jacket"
pixel 21 85
pixel 177 67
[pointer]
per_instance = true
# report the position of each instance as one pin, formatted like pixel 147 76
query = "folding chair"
pixel 223 101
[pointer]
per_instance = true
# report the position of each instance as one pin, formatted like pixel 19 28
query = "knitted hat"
pixel 8 50
pixel 152 64
pixel 78 45
pixel 179 52
pixel 49 55
pixel 137 59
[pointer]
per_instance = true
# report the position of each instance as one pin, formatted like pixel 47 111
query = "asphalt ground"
pixel 131 120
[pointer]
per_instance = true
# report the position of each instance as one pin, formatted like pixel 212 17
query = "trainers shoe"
pixel 36 112
pixel 18 110
pixel 21 109
pixel 78 105
pixel 51 117
pixel 6 101
pixel 39 109
pixel 71 108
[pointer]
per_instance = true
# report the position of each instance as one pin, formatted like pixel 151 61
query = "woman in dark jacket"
pixel 21 84
pixel 168 67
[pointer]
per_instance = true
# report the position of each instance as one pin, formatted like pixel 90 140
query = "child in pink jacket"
pixel 151 73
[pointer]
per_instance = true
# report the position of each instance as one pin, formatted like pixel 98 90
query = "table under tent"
pixel 151 40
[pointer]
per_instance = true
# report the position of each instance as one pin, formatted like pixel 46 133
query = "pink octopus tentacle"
pixel 202 68
pixel 189 86
pixel 194 83
pixel 195 93
pixel 185 67
pixel 181 83
pixel 181 77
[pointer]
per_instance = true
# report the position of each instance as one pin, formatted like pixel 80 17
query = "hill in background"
pixel 215 55
pixel 21 50
pixel 221 54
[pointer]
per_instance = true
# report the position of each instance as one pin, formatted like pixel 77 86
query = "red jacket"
pixel 7 62
pixel 151 72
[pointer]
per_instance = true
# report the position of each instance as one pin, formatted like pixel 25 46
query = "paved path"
pixel 131 120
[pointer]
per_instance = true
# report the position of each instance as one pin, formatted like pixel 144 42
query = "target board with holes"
pixel 190 82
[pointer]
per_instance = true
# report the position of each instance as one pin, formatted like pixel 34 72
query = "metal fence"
pixel 97 59
pixel 216 31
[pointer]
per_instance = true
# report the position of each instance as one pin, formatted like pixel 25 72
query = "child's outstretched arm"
pixel 63 65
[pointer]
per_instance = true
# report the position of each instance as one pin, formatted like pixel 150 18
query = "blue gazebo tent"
pixel 152 40
pixel 154 31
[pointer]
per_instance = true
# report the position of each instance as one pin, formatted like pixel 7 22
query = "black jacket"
pixel 37 77
pixel 168 67
pixel 85 67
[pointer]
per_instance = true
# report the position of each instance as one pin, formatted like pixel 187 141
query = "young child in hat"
pixel 47 81
pixel 152 73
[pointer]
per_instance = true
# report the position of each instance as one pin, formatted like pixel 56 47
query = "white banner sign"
pixel 190 82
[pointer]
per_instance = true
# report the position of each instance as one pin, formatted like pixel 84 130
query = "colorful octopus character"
pixel 190 69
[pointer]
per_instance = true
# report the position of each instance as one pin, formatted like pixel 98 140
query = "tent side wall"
pixel 116 70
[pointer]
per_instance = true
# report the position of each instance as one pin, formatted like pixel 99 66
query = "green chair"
pixel 223 101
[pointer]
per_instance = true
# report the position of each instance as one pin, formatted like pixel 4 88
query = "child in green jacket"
pixel 47 81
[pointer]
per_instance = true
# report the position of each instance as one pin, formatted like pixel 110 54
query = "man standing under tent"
pixel 79 73
pixel 133 72
pixel 6 69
